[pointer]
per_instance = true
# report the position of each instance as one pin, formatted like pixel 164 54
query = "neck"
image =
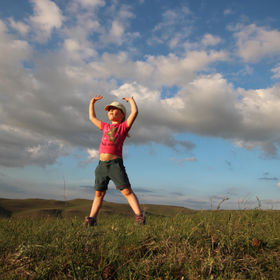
pixel 116 122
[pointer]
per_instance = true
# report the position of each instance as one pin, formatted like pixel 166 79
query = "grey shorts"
pixel 111 170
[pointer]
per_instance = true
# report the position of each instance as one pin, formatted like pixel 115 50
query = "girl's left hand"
pixel 128 99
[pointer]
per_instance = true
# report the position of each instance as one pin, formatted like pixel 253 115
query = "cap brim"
pixel 108 106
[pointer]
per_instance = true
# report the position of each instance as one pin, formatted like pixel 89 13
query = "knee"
pixel 99 194
pixel 127 192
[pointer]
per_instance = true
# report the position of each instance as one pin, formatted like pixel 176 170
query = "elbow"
pixel 91 118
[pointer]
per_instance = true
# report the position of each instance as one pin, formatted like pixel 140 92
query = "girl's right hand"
pixel 96 98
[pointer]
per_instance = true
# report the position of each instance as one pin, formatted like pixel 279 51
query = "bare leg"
pixel 97 203
pixel 132 200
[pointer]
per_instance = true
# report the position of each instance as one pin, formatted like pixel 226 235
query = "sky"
pixel 204 74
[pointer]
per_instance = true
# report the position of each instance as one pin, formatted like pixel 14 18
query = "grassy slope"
pixel 76 207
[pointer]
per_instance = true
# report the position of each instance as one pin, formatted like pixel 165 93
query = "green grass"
pixel 187 245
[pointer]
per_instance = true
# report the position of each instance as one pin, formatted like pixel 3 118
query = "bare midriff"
pixel 105 157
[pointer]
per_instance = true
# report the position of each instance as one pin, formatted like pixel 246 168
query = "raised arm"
pixel 134 110
pixel 92 115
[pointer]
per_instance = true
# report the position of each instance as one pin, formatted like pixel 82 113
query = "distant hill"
pixel 77 208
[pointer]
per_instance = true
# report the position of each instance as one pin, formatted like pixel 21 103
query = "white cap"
pixel 116 105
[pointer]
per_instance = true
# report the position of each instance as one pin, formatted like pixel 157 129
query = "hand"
pixel 128 99
pixel 96 98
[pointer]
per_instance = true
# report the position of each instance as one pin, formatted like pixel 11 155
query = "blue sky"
pixel 205 76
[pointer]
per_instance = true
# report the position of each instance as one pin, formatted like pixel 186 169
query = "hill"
pixel 77 208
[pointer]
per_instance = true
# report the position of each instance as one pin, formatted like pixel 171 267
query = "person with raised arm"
pixel 111 166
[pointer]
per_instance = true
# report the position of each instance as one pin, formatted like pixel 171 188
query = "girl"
pixel 110 165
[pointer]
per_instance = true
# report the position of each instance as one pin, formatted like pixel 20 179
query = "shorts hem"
pixel 101 189
pixel 126 186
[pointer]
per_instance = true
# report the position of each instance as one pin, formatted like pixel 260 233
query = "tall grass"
pixel 201 245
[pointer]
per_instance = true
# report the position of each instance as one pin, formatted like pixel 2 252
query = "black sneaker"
pixel 89 221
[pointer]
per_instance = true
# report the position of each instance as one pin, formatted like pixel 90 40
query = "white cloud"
pixel 12 50
pixel 210 106
pixel 142 94
pixel 93 154
pixel 34 151
pixel 254 42
pixel 191 159
pixel 228 12
pixel 21 147
pixel 81 7
pixel 77 34
pixel 175 27
pixel 79 51
pixel 40 109
pixel 210 40
pixel 202 111
pixel 276 71
pixel 258 109
pixel 116 32
pixel 90 3
pixel 47 16
pixel 196 108
pixel 71 45
pixel 19 26
pixel 157 71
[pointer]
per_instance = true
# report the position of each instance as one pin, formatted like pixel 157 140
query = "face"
pixel 115 114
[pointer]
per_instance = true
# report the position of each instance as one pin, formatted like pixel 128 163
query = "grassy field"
pixel 176 243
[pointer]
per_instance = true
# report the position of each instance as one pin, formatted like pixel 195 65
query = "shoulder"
pixel 125 125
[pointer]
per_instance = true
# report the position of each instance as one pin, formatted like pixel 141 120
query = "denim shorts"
pixel 111 170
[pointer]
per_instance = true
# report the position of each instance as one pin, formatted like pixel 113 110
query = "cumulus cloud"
pixel 207 106
pixel 12 50
pixel 117 32
pixel 90 3
pixel 256 42
pixel 19 26
pixel 157 71
pixel 276 71
pixel 169 30
pixel 46 17
pixel 79 50
pixel 259 125
pixel 37 105
pixel 20 147
pixel 210 40
pixel 210 106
